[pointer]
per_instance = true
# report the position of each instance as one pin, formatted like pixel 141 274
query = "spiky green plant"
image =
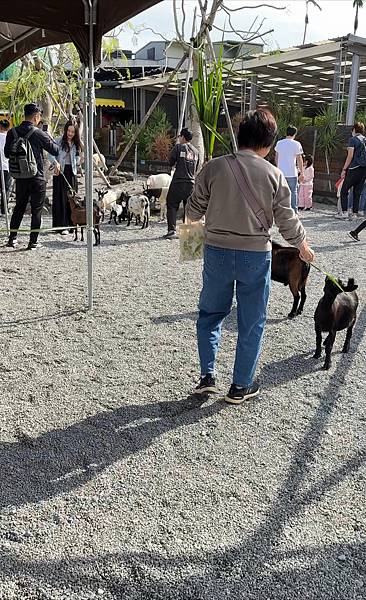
pixel 207 92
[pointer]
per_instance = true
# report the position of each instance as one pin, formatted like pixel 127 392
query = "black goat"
pixel 289 269
pixel 336 310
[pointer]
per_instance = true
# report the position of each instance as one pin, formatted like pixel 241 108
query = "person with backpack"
pixel 354 170
pixel 4 127
pixel 24 148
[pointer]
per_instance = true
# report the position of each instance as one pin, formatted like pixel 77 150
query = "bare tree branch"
pixel 154 32
pixel 184 20
pixel 175 13
pixel 258 6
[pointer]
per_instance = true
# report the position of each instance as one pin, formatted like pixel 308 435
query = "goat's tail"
pixel 305 270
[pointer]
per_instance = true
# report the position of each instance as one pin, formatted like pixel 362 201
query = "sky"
pixel 335 19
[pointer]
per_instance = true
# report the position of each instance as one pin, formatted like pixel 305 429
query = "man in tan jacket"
pixel 238 250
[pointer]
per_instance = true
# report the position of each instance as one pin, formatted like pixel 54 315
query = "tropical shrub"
pixel 161 147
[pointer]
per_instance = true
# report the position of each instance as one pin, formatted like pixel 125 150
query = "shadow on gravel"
pixel 288 369
pixel 347 244
pixel 258 568
pixel 34 469
pixel 230 323
pixel 71 245
pixel 42 318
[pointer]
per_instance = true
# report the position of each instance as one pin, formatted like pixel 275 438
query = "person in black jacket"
pixel 32 189
pixel 184 157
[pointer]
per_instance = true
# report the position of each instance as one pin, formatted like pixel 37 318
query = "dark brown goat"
pixel 289 269
pixel 336 310
pixel 78 217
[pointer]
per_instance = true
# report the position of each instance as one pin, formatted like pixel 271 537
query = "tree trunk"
pixel 355 27
pixel 328 171
pixel 194 122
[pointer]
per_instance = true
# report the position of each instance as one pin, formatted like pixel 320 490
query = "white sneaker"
pixel 342 215
pixel 64 232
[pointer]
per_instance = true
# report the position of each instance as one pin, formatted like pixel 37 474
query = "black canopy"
pixel 29 24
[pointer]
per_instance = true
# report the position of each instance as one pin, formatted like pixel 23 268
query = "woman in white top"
pixel 4 127
pixel 69 160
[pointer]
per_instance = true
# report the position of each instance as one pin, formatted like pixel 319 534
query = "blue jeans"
pixel 251 272
pixel 362 205
pixel 294 186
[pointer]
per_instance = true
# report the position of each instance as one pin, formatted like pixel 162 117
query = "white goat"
pixel 140 207
pixel 162 203
pixel 107 196
pixel 99 161
pixel 116 212
pixel 161 180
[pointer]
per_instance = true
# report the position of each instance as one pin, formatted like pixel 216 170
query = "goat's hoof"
pixel 299 312
pixel 345 350
pixel 291 315
pixel 317 355
pixel 326 366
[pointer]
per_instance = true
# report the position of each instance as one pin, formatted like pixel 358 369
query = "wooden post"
pixel 148 114
pixel 189 66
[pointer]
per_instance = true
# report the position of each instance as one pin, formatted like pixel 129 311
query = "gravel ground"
pixel 116 483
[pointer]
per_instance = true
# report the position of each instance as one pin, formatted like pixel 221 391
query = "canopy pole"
pixel 90 138
pixel 86 149
pixel 4 196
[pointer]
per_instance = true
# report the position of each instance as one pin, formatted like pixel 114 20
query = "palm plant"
pixel 285 113
pixel 328 138
pixel 307 2
pixel 357 4
pixel 207 92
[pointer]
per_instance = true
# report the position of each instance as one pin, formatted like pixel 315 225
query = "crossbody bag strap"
pixel 245 188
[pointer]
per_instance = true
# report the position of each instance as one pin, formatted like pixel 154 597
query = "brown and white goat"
pixel 336 310
pixel 289 269
pixel 138 206
pixel 78 217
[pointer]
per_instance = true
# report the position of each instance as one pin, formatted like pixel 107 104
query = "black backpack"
pixel 362 154
pixel 22 162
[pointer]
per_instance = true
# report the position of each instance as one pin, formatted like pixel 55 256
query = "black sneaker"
pixel 171 235
pixel 354 236
pixel 238 395
pixel 12 243
pixel 206 385
pixel 34 246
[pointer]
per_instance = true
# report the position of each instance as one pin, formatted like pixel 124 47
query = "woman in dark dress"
pixel 69 160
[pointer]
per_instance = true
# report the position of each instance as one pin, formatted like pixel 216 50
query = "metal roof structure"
pixel 25 26
pixel 313 75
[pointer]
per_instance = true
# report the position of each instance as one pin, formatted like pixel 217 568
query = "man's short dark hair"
pixel 186 134
pixel 359 127
pixel 32 109
pixel 257 130
pixel 291 130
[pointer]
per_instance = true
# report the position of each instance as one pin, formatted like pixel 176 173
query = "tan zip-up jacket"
pixel 230 222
